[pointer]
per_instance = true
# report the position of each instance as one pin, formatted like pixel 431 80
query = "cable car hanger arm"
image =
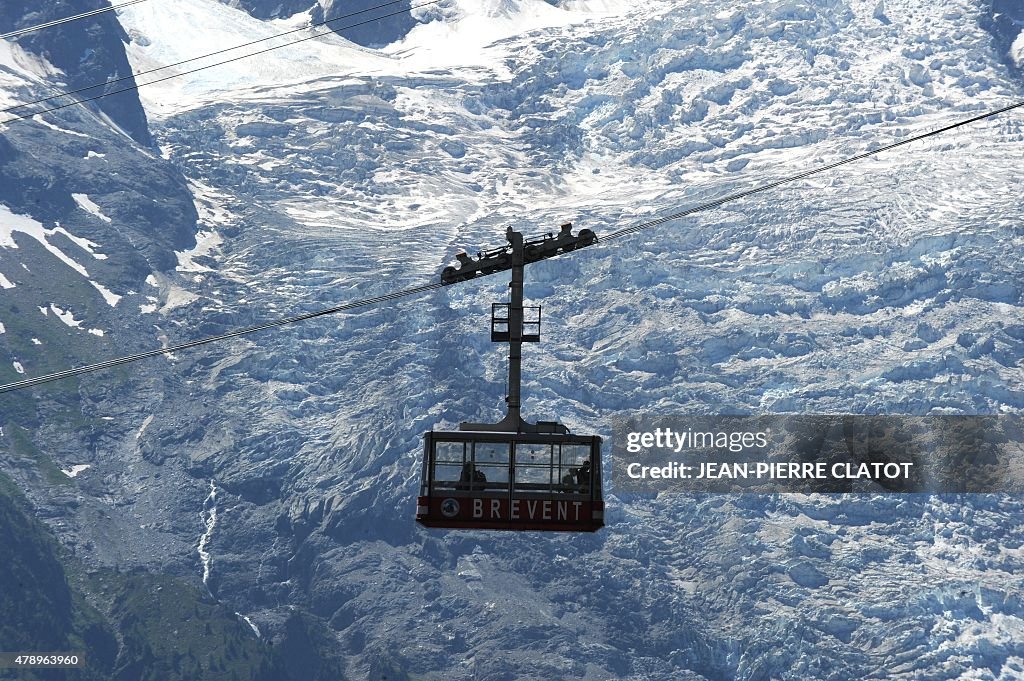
pixel 534 250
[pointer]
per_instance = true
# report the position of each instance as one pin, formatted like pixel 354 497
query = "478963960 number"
pixel 41 660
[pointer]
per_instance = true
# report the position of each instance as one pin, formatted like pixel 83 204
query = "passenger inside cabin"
pixel 578 477
pixel 471 478
pixel 583 474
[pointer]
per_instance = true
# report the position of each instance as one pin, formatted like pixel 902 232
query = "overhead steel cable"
pixel 136 86
pixel 58 22
pixel 202 56
pixel 110 363
pixel 808 173
pixel 29 382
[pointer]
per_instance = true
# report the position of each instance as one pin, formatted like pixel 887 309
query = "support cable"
pixel 58 22
pixel 26 383
pixel 136 86
pixel 110 363
pixel 807 173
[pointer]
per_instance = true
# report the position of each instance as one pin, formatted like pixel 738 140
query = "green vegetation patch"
pixel 171 630
pixel 39 611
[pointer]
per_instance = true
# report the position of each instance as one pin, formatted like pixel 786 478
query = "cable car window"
pixel 447 476
pixel 573 471
pixel 488 453
pixel 574 455
pixel 491 459
pixel 496 476
pixel 450 458
pixel 451 452
pixel 534 466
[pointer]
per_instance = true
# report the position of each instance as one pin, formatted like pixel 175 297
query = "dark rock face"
pixel 89 51
pixel 40 608
pixel 34 582
pixel 42 168
pixel 370 28
pixel 1005 21
pixel 102 212
pixel 355 19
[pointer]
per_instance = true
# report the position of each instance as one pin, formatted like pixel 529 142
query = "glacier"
pixel 330 172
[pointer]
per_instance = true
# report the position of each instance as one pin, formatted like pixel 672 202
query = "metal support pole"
pixel 513 421
pixel 515 330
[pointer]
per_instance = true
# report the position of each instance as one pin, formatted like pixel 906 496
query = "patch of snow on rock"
pixel 89 206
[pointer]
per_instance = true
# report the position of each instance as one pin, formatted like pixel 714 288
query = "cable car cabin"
pixel 511 481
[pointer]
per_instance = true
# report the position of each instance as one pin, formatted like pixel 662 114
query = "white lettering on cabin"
pixel 535 509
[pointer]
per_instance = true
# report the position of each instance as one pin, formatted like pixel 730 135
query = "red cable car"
pixel 511 481
pixel 512 475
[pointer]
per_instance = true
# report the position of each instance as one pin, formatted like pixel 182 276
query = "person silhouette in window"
pixel 583 474
pixel 471 478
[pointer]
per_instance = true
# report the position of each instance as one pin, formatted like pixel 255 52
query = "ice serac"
pixel 88 51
